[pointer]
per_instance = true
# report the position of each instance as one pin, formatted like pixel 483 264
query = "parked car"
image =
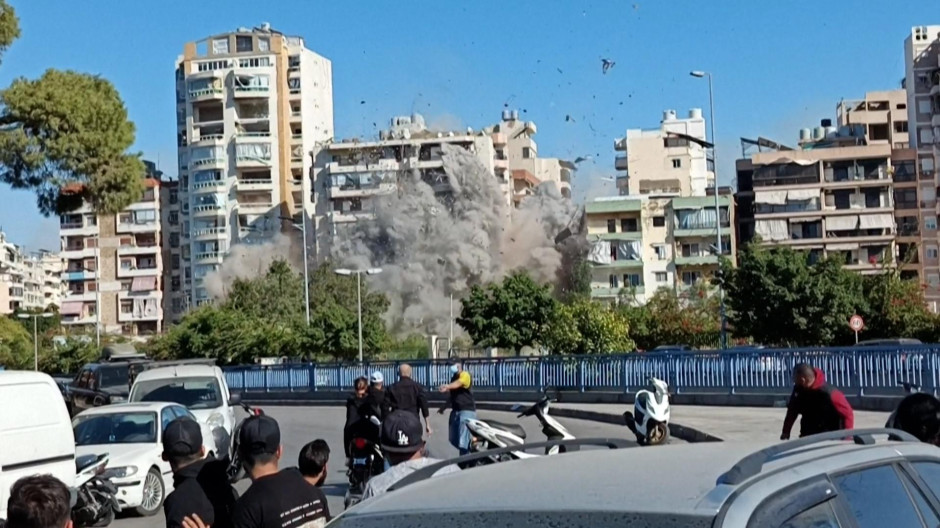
pixel 200 388
pixel 814 481
pixel 670 349
pixel 131 433
pixel 99 384
pixel 35 431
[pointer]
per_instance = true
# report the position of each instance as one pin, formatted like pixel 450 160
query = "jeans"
pixel 459 432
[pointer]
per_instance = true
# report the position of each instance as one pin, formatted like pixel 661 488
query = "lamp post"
pixel 711 118
pixel 35 318
pixel 303 230
pixel 358 273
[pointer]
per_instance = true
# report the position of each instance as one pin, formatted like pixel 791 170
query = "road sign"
pixel 856 323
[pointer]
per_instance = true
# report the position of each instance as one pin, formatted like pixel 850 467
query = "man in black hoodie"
pixel 201 485
pixel 408 395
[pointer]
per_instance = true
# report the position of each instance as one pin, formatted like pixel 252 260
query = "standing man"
pixel 200 485
pixel 39 501
pixel 822 407
pixel 408 395
pixel 462 407
pixel 312 462
pixel 276 499
pixel 404 449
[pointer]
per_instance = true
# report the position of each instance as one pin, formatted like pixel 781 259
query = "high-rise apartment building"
pixel 114 266
pixel 665 160
pixel 28 281
pixel 251 105
pixel 517 152
pixel 922 82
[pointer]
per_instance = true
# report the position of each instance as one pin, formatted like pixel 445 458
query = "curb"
pixel 679 431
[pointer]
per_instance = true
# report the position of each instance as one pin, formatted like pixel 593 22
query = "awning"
pixel 805 219
pixel 800 195
pixel 876 221
pixel 844 246
pixel 71 308
pixel 771 197
pixel 782 160
pixel 144 284
pixel 772 230
pixel 842 223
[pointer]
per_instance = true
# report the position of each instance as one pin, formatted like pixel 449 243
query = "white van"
pixel 35 431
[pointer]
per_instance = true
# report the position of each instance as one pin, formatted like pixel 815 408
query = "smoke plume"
pixel 248 261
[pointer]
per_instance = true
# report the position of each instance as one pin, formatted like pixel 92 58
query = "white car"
pixel 131 433
pixel 200 388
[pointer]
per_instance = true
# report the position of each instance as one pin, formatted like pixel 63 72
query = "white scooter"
pixel 491 434
pixel 95 496
pixel 650 418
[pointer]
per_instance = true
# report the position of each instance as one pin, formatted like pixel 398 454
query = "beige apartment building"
pixel 640 244
pixel 665 160
pixel 518 150
pixel 922 84
pixel 28 281
pixel 114 267
pixel 252 104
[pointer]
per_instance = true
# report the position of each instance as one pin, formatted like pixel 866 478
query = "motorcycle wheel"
pixel 658 434
pixel 154 493
pixel 107 517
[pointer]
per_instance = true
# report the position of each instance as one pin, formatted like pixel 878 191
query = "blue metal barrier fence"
pixel 868 370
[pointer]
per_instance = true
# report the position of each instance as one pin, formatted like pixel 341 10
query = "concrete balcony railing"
pixel 620 163
pixel 208 210
pixel 208 186
pixel 138 250
pixel 207 94
pixel 207 162
pixel 138 272
pixel 142 227
pixel 209 256
pixel 78 253
pixel 620 144
pixel 251 91
pixel 252 161
pixel 78 275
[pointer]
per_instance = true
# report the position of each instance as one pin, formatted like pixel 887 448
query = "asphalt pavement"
pixel 300 425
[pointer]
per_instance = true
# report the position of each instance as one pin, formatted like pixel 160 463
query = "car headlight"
pixel 120 472
pixel 215 421
pixel 118 399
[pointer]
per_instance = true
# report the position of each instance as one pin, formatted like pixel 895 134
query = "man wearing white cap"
pixel 375 397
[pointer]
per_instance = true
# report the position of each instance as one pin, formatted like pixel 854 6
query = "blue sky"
pixel 778 66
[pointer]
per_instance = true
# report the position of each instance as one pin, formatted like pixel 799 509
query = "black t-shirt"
pixel 281 500
pixel 461 399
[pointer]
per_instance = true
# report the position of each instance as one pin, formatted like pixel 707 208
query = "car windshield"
pixel 195 393
pixel 511 519
pixel 115 428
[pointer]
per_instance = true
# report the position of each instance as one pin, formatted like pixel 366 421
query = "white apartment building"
pixel 251 105
pixel 351 174
pixel 28 281
pixel 113 267
pixel 664 160
pixel 517 152
pixel 922 82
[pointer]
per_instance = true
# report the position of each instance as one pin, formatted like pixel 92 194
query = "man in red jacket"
pixel 822 407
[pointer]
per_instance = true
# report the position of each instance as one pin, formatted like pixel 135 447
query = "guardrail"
pixel 861 371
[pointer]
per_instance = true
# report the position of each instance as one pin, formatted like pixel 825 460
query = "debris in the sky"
pixel 636 6
pixel 621 103
pixel 607 64
pixel 592 128
pixel 569 118
pixel 582 159
pixel 559 71
pixel 362 102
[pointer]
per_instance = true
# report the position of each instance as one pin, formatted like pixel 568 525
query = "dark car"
pixel 670 349
pixel 101 383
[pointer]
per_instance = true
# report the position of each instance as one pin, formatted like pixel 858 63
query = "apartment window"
pixel 174 284
pixel 526 152
pixel 628 225
pixel 145 217
pixel 659 221
pixel 220 46
pixel 174 240
pixel 149 195
pixel 128 264
pixel 691 277
pixel 632 280
pixel 675 142
pixel 676 163
pixel 243 44
pixel 264 44
pixel 125 218
pixel 932 252
pixel 175 262
pixel 660 250
pixel 614 281
pixel 930 223
pixel 900 126
pixel 662 277
pixel 177 305
pixel 174 197
pixel 174 217
pixel 611 226
pixel 925 136
pixel 690 250
pixel 924 107
pixel 127 307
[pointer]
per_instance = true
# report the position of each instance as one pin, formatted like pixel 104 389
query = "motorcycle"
pixel 366 461
pixel 650 418
pixel 491 434
pixel 95 496
pixel 235 470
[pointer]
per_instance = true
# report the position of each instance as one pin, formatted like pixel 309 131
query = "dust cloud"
pixel 248 261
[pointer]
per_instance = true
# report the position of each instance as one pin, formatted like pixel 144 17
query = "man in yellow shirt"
pixel 462 407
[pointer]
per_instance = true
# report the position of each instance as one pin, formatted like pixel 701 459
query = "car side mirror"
pixel 235 399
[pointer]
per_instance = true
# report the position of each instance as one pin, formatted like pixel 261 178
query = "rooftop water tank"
pixel 507 115
pixel 825 123
pixel 831 132
pixel 845 131
pixel 819 133
pixel 695 113
pixel 805 134
pixel 515 115
pixel 669 115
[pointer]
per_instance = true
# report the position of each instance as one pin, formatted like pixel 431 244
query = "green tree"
pixel 587 327
pixel 511 314
pixel 778 298
pixel 44 325
pixel 334 321
pixel 69 356
pixel 897 308
pixel 65 136
pixel 16 345
pixel 669 319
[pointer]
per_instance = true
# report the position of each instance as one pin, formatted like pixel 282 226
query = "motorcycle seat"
pixel 515 429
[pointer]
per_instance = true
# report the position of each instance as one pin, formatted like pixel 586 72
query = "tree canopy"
pixel 510 315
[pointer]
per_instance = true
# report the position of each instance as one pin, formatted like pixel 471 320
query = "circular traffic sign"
pixel 856 323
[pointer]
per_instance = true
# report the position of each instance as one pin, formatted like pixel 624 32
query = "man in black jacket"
pixel 201 485
pixel 408 395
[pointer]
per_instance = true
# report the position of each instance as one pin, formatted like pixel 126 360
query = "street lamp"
pixel 711 117
pixel 303 229
pixel 35 318
pixel 358 273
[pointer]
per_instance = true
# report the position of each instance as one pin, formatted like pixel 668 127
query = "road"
pixel 300 425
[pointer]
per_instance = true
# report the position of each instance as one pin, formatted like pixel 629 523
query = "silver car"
pixel 818 481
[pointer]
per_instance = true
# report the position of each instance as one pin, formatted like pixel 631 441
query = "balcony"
pixel 80 296
pixel 258 206
pixel 124 273
pixel 138 250
pixel 209 139
pixel 78 275
pixel 250 91
pixel 146 309
pixel 620 144
pixel 620 163
pixel 137 227
pixel 623 235
pixel 501 164
pixel 697 260
pixel 210 186
pixel 617 292
pixel 78 252
pixel 246 135
pixel 342 217
pixel 248 184
pixel 207 93
pixel 209 257
pixel 77 229
pixel 249 161
pixel 210 233
pixel 208 210
pixel 214 162
pixel 701 231
pixel 618 264
pixel 359 191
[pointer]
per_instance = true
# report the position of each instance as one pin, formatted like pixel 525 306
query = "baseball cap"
pixel 259 434
pixel 377 377
pixel 182 437
pixel 401 432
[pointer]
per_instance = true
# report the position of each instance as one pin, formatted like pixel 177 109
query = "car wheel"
pixel 153 495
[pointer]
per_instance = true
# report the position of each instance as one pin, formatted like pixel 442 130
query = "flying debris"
pixel 559 71
pixel 569 118
pixel 362 102
pixel 581 159
pixel 606 65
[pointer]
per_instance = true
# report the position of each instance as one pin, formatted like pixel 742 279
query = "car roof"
pixel 177 371
pixel 128 407
pixel 681 479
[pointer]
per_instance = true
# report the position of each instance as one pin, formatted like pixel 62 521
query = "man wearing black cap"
pixel 201 485
pixel 404 450
pixel 276 499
